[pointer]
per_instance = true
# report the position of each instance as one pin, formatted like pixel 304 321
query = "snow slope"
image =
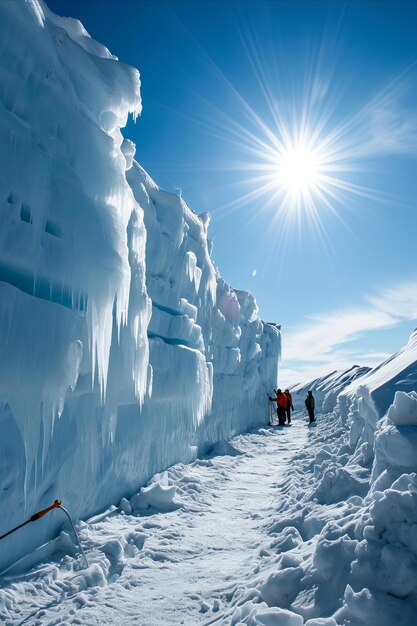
pixel 398 373
pixel 327 388
pixel 122 350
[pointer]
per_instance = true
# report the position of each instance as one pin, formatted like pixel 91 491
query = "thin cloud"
pixel 330 331
pixel 376 356
pixel 393 130
pixel 323 344
pixel 392 124
pixel 400 301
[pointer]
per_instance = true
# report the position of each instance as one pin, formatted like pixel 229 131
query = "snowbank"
pixel 122 350
pixel 343 547
pixel 398 373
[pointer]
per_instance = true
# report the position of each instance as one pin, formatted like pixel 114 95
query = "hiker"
pixel 281 401
pixel 309 402
pixel 289 405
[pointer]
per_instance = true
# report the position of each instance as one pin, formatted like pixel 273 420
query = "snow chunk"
pixel 156 496
pixel 125 506
pixel 404 408
pixel 128 148
pixel 395 453
pixel 276 617
pixel 286 540
pixel 339 483
pixel 223 448
pixel 281 587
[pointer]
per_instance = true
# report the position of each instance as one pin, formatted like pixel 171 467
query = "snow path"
pixel 174 567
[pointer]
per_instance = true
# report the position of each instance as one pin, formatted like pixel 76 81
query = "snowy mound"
pixel 122 350
pixel 327 388
pixel 398 373
pixel 223 448
pixel 154 496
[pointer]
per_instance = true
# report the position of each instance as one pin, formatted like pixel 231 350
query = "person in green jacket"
pixel 309 402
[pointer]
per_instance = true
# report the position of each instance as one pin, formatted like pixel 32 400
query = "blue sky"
pixel 224 84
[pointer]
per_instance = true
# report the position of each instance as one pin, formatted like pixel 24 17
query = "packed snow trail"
pixel 174 567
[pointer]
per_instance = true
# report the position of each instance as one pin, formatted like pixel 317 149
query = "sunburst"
pixel 303 153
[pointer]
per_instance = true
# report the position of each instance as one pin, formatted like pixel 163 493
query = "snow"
pixel 156 565
pixel 155 496
pixel 128 368
pixel 404 408
pixel 310 525
pixel 258 537
pixel 326 389
pixel 351 507
pixel 122 350
pixel 398 372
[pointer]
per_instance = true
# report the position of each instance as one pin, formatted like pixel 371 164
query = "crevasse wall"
pixel 122 350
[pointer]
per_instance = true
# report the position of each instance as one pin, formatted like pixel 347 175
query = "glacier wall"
pixel 122 350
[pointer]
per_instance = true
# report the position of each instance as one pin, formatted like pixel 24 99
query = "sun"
pixel 298 156
pixel 298 169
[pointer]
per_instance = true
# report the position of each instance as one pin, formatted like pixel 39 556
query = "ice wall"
pixel 122 350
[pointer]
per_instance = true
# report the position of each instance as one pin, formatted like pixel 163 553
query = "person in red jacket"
pixel 281 401
pixel 289 405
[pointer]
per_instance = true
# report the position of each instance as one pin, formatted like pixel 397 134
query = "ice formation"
pixel 122 350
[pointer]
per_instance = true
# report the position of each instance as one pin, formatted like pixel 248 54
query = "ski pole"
pixel 270 411
pixel 75 533
pixel 34 517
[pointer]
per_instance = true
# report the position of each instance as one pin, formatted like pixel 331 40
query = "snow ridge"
pixel 326 389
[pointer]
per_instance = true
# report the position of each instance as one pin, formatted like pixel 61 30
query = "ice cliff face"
pixel 121 348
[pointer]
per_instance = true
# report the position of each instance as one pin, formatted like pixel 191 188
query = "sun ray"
pixel 302 159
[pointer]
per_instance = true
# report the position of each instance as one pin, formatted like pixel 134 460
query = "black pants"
pixel 310 414
pixel 288 412
pixel 281 416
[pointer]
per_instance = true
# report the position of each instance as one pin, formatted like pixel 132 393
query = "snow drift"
pixel 343 547
pixel 122 350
